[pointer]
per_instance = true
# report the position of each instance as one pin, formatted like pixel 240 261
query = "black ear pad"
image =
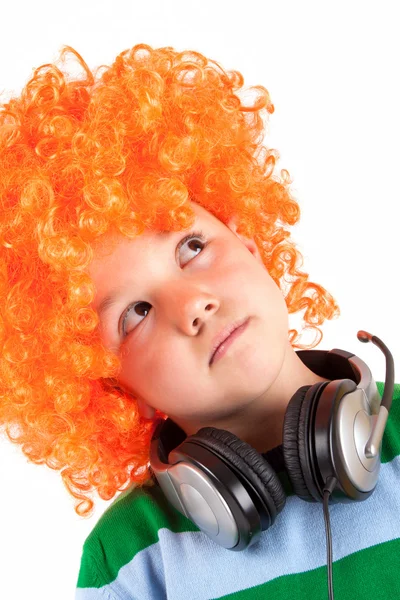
pixel 296 450
pixel 249 462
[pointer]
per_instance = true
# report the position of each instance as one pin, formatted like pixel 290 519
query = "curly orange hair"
pixel 119 150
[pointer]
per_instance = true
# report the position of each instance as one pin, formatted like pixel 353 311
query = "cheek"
pixel 155 376
pixel 268 303
pixel 276 305
pixel 257 289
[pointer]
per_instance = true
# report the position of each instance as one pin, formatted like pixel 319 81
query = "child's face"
pixel 186 298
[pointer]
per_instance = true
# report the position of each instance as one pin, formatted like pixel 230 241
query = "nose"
pixel 189 306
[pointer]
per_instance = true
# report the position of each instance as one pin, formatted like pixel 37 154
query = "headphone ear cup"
pixel 299 461
pixel 249 463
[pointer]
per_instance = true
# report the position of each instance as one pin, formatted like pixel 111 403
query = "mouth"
pixel 225 337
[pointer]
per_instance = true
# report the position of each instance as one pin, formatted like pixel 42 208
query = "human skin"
pixel 189 297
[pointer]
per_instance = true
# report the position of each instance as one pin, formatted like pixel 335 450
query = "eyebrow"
pixel 110 300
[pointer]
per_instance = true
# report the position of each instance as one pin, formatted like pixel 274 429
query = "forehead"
pixel 110 241
pixel 111 248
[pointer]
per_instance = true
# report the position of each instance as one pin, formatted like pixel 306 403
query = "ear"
pixel 250 244
pixel 146 411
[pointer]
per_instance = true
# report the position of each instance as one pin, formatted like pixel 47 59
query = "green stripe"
pixel 370 573
pixel 391 439
pixel 131 526
pixel 131 523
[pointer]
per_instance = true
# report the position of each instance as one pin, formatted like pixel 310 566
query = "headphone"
pixel 332 435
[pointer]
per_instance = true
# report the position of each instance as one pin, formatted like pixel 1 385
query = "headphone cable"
pixel 328 489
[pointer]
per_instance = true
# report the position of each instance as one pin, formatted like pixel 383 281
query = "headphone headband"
pixel 332 432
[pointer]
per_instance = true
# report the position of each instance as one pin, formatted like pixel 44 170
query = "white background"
pixel 332 70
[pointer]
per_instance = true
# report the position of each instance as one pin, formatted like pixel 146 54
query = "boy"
pixel 143 224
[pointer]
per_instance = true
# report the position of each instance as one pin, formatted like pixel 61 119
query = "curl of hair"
pixel 119 150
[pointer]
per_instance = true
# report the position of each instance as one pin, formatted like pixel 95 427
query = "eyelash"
pixel 199 235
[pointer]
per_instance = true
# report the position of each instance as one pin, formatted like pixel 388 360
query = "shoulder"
pixel 142 510
pixel 130 525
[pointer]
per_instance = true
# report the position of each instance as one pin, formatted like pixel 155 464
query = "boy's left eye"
pixel 197 242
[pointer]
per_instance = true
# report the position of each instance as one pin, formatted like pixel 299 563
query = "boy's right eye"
pixel 142 308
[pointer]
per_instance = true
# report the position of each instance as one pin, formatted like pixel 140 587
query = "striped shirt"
pixel 142 548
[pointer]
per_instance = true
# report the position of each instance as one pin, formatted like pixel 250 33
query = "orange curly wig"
pixel 119 150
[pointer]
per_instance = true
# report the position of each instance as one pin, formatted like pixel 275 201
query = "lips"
pixel 223 335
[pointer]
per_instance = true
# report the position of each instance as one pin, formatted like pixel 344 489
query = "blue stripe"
pixel 199 569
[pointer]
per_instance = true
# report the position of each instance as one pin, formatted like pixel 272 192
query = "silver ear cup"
pixel 206 505
pixel 221 483
pixel 338 433
pixel 326 429
pixel 350 442
pixel 225 512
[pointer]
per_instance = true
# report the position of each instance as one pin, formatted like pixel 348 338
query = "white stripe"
pixel 191 566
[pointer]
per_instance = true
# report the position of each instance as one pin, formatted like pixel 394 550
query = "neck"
pixel 260 422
